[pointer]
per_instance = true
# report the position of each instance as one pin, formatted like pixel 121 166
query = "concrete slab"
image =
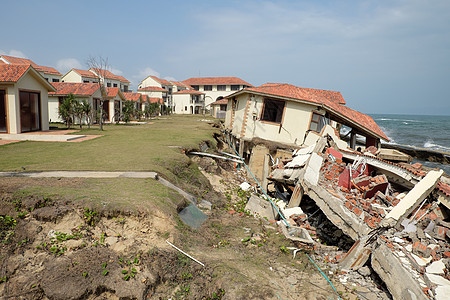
pixel 312 172
pixel 261 208
pixel 81 174
pixel 41 137
pixel 413 198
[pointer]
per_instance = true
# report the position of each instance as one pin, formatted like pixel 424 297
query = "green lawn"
pixel 149 147
pixel 121 148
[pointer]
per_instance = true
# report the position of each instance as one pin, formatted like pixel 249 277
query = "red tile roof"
pixel 144 98
pixel 216 81
pixel 78 89
pixel 221 101
pixel 160 81
pixel 153 89
pixel 155 100
pixel 113 91
pixel 109 75
pixel 12 73
pixel 329 99
pixel 189 92
pixel 181 84
pixel 132 96
pixel 25 61
pixel 444 188
pixel 85 73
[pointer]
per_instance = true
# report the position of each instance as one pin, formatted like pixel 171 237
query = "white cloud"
pixel 170 78
pixel 144 74
pixel 65 64
pixel 14 52
pixel 116 71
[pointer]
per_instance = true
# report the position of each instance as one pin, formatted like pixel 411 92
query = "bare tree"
pixel 100 66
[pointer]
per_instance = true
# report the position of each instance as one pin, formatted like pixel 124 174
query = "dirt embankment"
pixel 55 248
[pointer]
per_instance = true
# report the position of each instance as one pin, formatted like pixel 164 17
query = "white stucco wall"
pixel 27 83
pixel 72 76
pixel 295 121
pixel 148 82
pixel 182 103
pixel 211 96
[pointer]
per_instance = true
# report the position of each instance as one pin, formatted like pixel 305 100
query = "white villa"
pixel 188 102
pixel 49 73
pixel 216 88
pixel 91 76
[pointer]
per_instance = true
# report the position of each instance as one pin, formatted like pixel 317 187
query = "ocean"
pixel 429 132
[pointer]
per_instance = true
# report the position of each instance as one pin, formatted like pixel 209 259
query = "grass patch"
pixel 121 148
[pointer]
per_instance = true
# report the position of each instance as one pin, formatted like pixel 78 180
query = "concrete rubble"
pixel 396 216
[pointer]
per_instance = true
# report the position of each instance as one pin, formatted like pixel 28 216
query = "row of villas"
pixel 30 96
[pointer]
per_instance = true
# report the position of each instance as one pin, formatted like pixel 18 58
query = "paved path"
pixel 81 174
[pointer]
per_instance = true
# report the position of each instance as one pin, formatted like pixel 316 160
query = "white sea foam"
pixel 431 145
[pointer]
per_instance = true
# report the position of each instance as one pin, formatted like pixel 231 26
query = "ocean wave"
pixel 431 145
pixel 399 120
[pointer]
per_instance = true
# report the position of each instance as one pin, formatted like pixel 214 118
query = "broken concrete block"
pixel 442 292
pixel 261 208
pixel 364 271
pixel 415 196
pixel 296 197
pixel 399 281
pixel 357 256
pixel 288 212
pixel 313 169
pixel 436 267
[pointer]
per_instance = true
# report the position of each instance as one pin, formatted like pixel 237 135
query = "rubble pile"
pixel 397 216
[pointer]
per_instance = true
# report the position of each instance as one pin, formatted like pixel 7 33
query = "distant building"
pixel 218 108
pixel 49 73
pixel 82 91
pixel 188 102
pixel 92 75
pixel 216 88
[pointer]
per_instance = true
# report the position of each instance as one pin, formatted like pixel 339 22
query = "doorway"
pixel 3 126
pixel 30 119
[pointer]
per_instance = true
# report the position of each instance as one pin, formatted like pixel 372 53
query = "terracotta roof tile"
pixel 215 81
pixel 221 101
pixel 144 98
pixel 85 73
pixel 109 75
pixel 153 89
pixel 444 188
pixel 330 99
pixel 132 96
pixel 113 91
pixel 78 89
pixel 12 73
pixel 189 92
pixel 160 81
pixel 25 61
pixel 155 100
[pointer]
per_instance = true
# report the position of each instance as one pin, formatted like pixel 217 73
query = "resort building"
pixel 89 92
pixel 93 75
pixel 23 99
pixel 216 88
pixel 49 73
pixel 188 102
pixel 295 116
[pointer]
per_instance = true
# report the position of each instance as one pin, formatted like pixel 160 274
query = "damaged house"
pixel 295 116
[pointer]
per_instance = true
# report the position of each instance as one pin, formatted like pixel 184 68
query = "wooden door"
pixel 30 119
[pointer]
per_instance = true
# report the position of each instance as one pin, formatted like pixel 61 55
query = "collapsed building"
pixel 396 215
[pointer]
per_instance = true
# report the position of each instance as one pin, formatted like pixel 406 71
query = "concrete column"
pixel 353 140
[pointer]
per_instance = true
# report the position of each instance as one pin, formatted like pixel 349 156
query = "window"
pixel 235 87
pixel 221 87
pixel 108 84
pixel 195 87
pixel 272 110
pixel 207 87
pixel 55 80
pixel 46 78
pixel 185 108
pixel 85 81
pixel 115 85
pixel 318 122
pixel 125 88
pixel 223 107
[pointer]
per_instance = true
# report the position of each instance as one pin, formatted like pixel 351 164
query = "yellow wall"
pixel 295 122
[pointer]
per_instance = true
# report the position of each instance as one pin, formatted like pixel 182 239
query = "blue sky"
pixel 383 56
